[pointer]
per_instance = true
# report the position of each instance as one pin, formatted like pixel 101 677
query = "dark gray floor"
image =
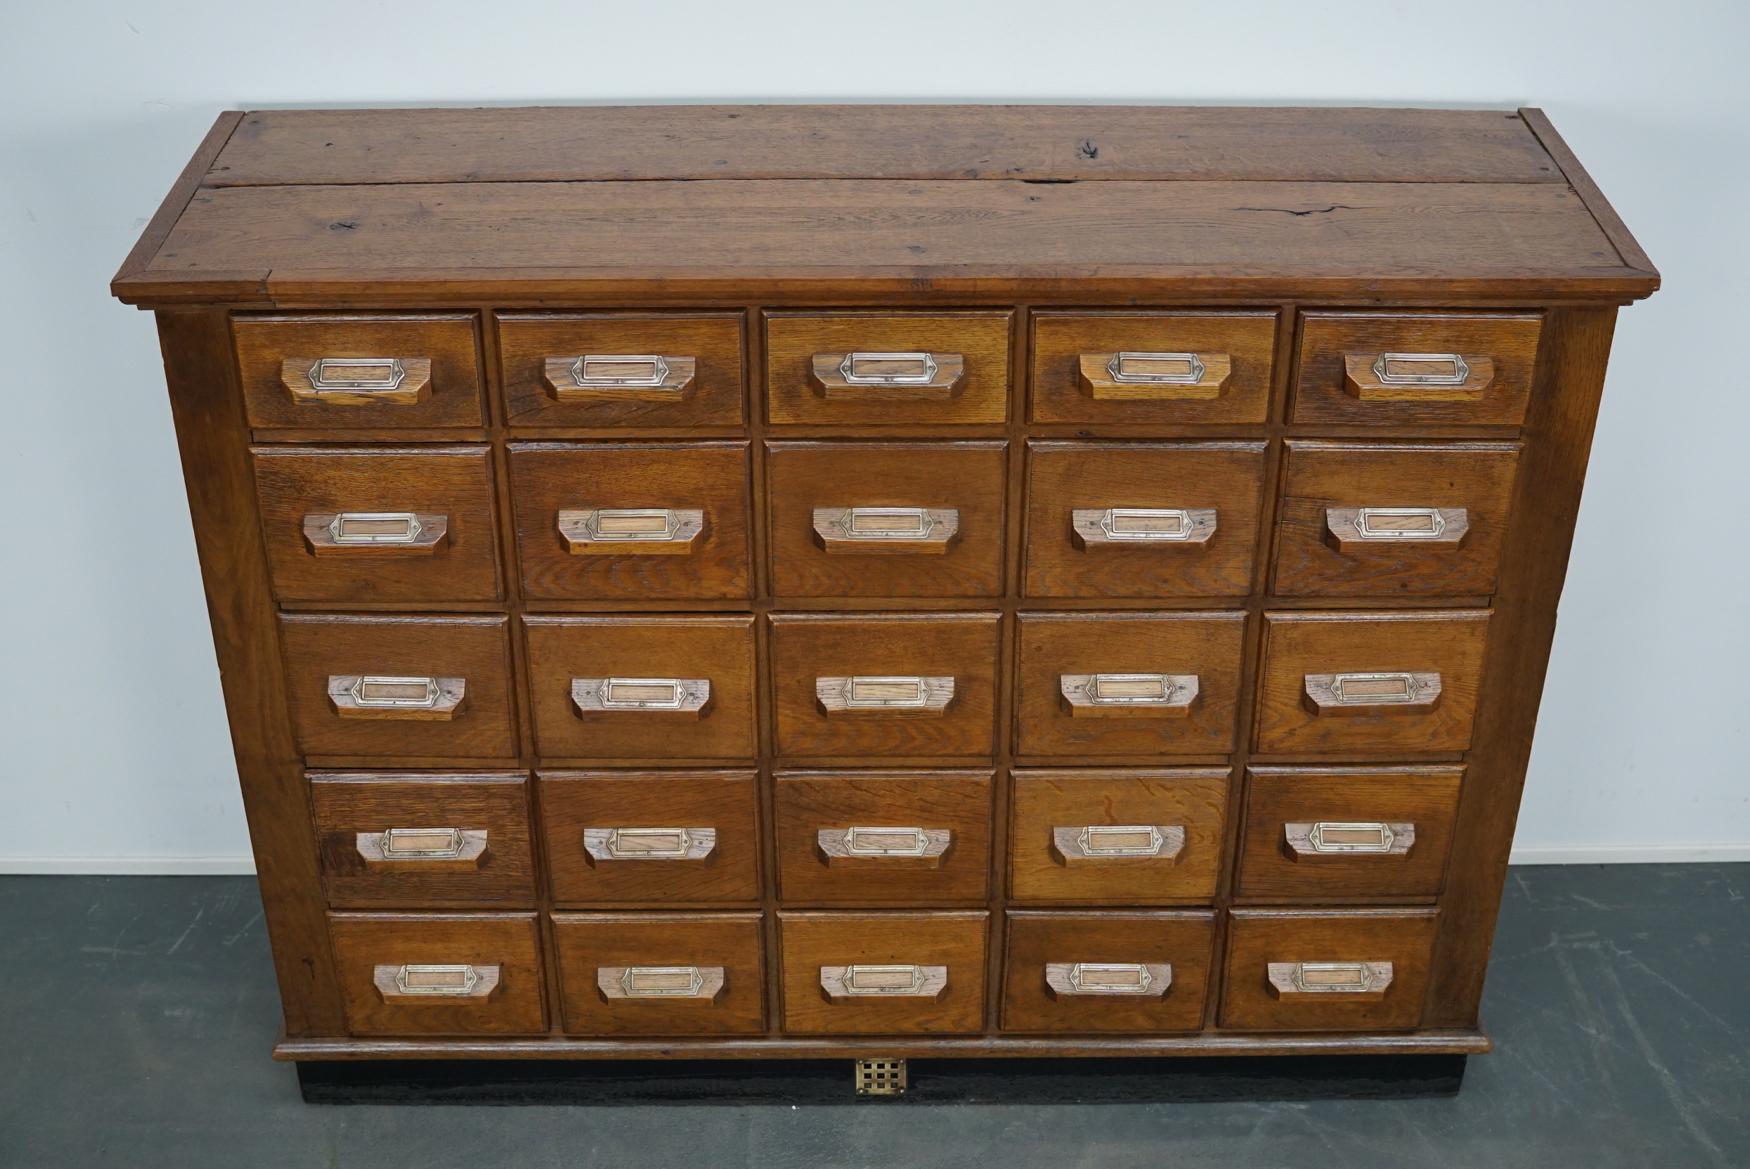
pixel 139 1013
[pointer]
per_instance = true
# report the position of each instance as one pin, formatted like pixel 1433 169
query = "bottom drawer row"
pixel 890 973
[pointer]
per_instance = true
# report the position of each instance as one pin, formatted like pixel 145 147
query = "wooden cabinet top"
pixel 720 204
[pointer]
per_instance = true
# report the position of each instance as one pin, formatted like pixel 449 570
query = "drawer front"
pixel 403 372
pixel 1393 520
pixel 674 369
pixel 419 687
pixel 1142 519
pixel 1117 837
pixel 413 840
pixel 873 369
pixel 893 519
pixel 1347 831
pixel 622 837
pixel 1370 681
pixel 439 973
pixel 660 973
pixel 635 522
pixel 378 525
pixel 872 684
pixel 883 973
pixel 1097 684
pixel 642 687
pixel 1415 369
pixel 869 837
pixel 1293 970
pixel 1152 368
pixel 1105 972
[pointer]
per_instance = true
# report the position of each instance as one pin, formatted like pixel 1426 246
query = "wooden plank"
pixel 208 410
pixel 180 193
pixel 1608 220
pixel 769 239
pixel 893 142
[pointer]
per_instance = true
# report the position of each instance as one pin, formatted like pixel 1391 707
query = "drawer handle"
pixel 1363 980
pixel 1348 528
pixel 861 530
pixel 422 845
pixel 863 980
pixel 1105 979
pixel 331 533
pixel 1101 842
pixel 648 844
pixel 660 982
pixel 875 694
pixel 1128 695
pixel 631 531
pixel 357 381
pixel 1118 527
pixel 1367 693
pixel 888 377
pixel 1417 377
pixel 688 697
pixel 861 842
pixel 382 696
pixel 1154 377
pixel 1348 838
pixel 606 377
pixel 418 980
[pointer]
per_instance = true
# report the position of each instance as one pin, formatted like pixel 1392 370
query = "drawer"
pixel 872 684
pixel 1415 369
pixel 614 687
pixel 1097 684
pixel 883 973
pixel 673 369
pixel 439 973
pixel 1164 368
pixel 660 973
pixel 1123 837
pixel 867 837
pixel 1347 831
pixel 604 521
pixel 887 368
pixel 420 687
pixel 404 372
pixel 373 524
pixel 1393 519
pixel 1370 681
pixel 1142 519
pixel 619 837
pixel 894 519
pixel 1314 970
pixel 411 839
pixel 1104 972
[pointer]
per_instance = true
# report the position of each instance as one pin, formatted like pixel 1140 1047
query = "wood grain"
pixel 507 941
pixel 447 341
pixel 980 340
pixel 1185 941
pixel 809 941
pixel 1257 937
pixel 956 801
pixel 1063 477
pixel 1043 801
pixel 1247 340
pixel 807 646
pixel 548 478
pixel 1318 476
pixel 969 477
pixel 572 801
pixel 452 482
pixel 1209 646
pixel 346 804
pixel 586 942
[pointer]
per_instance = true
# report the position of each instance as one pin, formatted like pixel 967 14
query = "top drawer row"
pixel 858 369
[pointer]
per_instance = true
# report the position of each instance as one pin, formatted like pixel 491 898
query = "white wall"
pixel 113 752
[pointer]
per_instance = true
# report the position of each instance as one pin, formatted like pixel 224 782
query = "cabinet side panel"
pixel 207 408
pixel 1546 501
